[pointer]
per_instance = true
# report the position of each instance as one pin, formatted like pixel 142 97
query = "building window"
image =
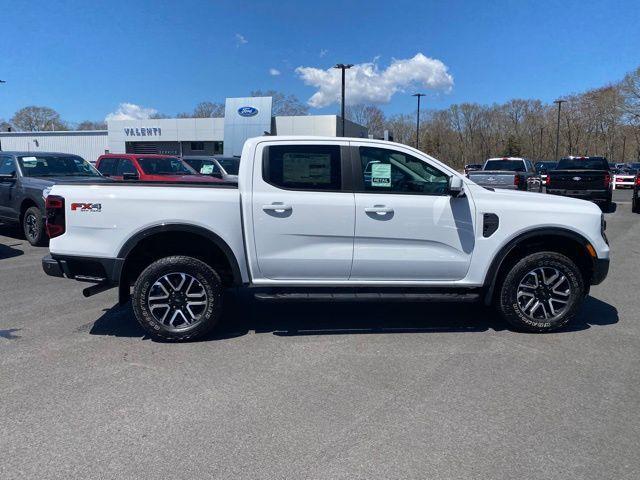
pixel 197 146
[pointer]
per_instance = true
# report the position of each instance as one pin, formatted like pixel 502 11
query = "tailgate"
pixel 492 178
pixel 577 180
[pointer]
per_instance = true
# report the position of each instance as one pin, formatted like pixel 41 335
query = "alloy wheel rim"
pixel 31 225
pixel 177 301
pixel 543 294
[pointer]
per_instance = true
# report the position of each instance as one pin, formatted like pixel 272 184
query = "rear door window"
pixel 303 167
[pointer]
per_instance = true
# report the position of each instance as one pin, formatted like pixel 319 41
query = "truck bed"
pixel 102 229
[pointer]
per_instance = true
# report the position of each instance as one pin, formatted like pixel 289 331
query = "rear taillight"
pixel 607 179
pixel 516 180
pixel 55 222
pixel 638 180
pixel 547 180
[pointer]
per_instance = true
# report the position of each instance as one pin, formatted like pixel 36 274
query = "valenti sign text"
pixel 143 132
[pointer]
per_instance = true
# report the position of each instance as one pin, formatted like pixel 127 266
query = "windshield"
pixel 56 166
pixel 231 165
pixel 505 165
pixel 164 166
pixel 587 163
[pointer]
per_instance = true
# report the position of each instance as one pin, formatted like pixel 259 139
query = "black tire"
pixel 511 305
pixel 152 282
pixel 635 208
pixel 33 227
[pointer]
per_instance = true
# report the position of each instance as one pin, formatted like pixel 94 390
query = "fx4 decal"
pixel 86 207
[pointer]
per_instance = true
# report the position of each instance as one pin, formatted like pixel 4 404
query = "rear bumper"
pixel 96 270
pixel 600 270
pixel 583 194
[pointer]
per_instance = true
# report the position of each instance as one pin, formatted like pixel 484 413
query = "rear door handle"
pixel 379 209
pixel 277 207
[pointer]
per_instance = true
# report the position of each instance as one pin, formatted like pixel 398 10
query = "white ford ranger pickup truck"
pixel 315 218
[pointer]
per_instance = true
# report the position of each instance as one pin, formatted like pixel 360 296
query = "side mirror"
pixel 130 176
pixel 7 177
pixel 455 186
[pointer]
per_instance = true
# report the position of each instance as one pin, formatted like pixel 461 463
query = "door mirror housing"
pixel 130 176
pixel 455 186
pixel 8 177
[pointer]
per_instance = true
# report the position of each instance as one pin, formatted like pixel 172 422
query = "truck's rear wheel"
pixel 177 298
pixel 33 227
pixel 542 292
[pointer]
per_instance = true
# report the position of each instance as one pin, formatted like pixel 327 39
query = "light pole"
pixel 559 102
pixel 418 120
pixel 343 67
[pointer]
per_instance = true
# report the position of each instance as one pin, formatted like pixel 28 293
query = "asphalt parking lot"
pixel 318 390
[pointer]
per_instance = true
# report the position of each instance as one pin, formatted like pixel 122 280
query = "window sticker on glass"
pixel 30 162
pixel 306 168
pixel 207 169
pixel 381 175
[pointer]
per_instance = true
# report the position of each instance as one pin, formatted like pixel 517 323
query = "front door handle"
pixel 277 207
pixel 379 209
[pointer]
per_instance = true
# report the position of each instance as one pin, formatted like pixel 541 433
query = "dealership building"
pixel 244 118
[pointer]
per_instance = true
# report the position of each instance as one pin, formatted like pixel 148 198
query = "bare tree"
pixel 369 116
pixel 4 125
pixel 208 110
pixel 283 104
pixel 34 118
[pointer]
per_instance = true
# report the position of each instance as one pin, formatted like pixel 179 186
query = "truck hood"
pixel 542 201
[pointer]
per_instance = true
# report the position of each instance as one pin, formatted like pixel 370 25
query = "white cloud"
pixel 366 83
pixel 240 39
pixel 323 52
pixel 274 72
pixel 130 111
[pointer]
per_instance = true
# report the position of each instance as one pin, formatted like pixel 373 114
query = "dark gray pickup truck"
pixel 26 177
pixel 588 178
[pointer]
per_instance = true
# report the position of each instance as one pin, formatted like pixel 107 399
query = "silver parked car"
pixel 217 166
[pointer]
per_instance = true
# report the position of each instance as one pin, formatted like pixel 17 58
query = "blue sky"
pixel 85 58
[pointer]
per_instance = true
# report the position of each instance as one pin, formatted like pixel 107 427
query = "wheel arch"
pixel 25 204
pixel 562 238
pixel 221 251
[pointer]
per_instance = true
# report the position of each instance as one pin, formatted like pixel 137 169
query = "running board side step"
pixel 369 297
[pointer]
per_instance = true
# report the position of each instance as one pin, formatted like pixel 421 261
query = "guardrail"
pixel 623 181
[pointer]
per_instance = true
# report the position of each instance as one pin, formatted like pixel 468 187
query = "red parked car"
pixel 149 168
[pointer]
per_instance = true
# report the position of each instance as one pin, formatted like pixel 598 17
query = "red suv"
pixel 149 168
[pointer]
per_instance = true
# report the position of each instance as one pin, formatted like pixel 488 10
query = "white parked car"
pixel 327 219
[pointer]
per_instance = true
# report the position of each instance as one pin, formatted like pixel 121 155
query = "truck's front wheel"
pixel 542 292
pixel 178 298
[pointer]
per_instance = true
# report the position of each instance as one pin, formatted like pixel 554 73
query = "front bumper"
pixel 600 270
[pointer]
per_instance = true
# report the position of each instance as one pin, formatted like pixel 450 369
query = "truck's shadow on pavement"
pixel 243 314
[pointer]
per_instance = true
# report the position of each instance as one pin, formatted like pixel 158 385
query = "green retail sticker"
pixel 381 175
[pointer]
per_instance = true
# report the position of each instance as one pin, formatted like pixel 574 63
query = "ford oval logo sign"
pixel 247 111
